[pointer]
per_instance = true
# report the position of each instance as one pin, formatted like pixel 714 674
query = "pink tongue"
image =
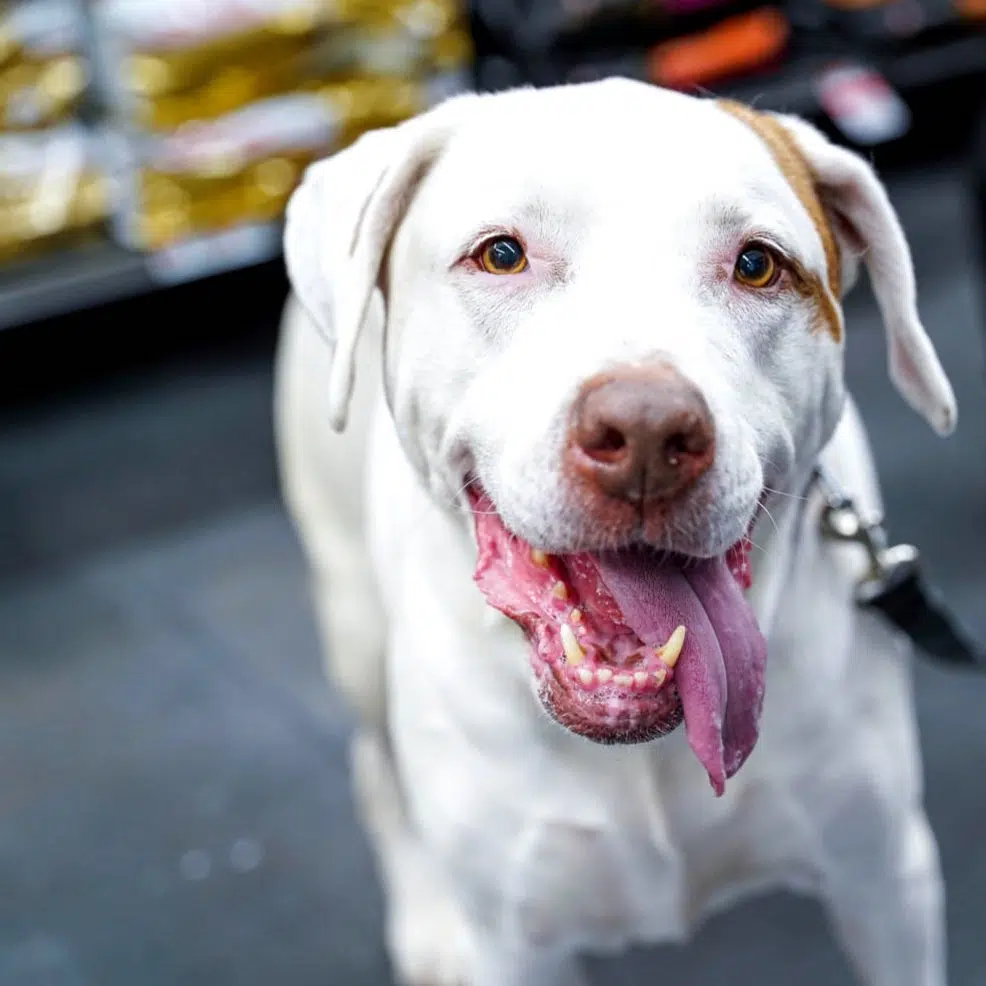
pixel 720 674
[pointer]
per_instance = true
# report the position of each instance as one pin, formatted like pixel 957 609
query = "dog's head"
pixel 612 326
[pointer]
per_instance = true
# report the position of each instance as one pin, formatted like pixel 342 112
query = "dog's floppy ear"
pixel 339 224
pixel 867 227
pixel 856 221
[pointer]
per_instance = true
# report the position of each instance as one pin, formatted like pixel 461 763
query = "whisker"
pixel 791 496
pixel 777 530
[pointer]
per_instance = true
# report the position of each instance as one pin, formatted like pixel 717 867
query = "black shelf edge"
pixel 103 272
pixel 791 89
pixel 73 279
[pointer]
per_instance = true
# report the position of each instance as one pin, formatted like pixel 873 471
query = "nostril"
pixel 604 444
pixel 688 438
pixel 608 446
pixel 676 449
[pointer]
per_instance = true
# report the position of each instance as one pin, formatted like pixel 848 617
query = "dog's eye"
pixel 756 267
pixel 503 255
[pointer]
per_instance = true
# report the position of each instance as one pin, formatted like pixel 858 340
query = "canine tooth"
pixel 671 651
pixel 586 676
pixel 559 591
pixel 539 557
pixel 641 678
pixel 660 675
pixel 604 675
pixel 623 680
pixel 573 652
pixel 576 615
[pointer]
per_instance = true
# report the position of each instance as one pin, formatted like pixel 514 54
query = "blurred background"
pixel 174 806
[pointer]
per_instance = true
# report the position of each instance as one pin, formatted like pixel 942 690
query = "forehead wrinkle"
pixel 730 216
pixel 481 213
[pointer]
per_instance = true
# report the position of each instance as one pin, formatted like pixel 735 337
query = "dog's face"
pixel 618 240
pixel 613 330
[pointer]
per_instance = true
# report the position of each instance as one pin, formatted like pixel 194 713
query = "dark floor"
pixel 173 799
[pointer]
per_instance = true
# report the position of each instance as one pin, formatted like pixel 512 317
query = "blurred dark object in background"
pixel 977 172
pixel 555 41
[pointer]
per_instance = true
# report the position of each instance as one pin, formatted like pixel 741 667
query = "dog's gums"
pixel 627 645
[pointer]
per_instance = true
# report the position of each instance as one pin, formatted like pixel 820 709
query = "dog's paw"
pixel 430 944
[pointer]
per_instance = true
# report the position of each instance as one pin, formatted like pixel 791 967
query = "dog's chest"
pixel 602 861
pixel 599 885
pixel 561 860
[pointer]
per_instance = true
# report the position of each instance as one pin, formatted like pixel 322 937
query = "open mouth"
pixel 627 645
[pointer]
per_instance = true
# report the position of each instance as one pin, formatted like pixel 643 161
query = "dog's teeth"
pixel 559 591
pixel 660 676
pixel 576 615
pixel 586 676
pixel 640 678
pixel 671 651
pixel 539 557
pixel 573 652
pixel 623 680
pixel 604 675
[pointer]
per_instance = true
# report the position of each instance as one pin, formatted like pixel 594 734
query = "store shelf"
pixel 103 272
pixel 80 278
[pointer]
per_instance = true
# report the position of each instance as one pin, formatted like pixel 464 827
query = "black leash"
pixel 894 585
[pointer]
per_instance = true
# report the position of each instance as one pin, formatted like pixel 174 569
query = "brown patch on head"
pixel 796 169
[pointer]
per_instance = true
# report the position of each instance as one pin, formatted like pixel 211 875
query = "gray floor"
pixel 173 801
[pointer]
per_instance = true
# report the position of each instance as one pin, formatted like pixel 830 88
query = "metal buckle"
pixel 842 522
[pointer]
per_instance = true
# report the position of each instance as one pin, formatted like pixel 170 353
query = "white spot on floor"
pixel 245 855
pixel 195 865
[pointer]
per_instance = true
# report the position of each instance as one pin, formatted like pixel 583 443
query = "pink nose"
pixel 640 434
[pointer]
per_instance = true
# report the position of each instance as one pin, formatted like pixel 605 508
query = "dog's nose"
pixel 641 434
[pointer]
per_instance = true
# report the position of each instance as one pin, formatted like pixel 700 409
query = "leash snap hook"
pixel 888 564
pixel 893 584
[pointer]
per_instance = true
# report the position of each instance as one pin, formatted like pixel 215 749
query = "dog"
pixel 556 372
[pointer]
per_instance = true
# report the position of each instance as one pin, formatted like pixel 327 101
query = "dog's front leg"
pixel 427 935
pixel 885 902
pixel 498 963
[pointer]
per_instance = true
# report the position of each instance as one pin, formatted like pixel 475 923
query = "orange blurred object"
pixel 738 44
pixel 974 10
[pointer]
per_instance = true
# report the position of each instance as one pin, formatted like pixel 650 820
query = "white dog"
pixel 588 342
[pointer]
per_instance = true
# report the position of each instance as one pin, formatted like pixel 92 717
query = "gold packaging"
pixel 236 185
pixel 312 40
pixel 40 94
pixel 43 74
pixel 27 227
pixel 153 72
pixel 174 207
pixel 346 54
pixel 21 238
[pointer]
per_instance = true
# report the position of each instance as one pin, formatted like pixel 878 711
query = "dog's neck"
pixel 776 537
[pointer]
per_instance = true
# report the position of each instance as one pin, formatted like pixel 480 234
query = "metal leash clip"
pixel 893 584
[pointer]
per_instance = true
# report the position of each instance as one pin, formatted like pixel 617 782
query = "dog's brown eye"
pixel 756 267
pixel 504 255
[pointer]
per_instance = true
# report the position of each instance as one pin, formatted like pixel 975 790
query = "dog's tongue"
pixel 720 674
